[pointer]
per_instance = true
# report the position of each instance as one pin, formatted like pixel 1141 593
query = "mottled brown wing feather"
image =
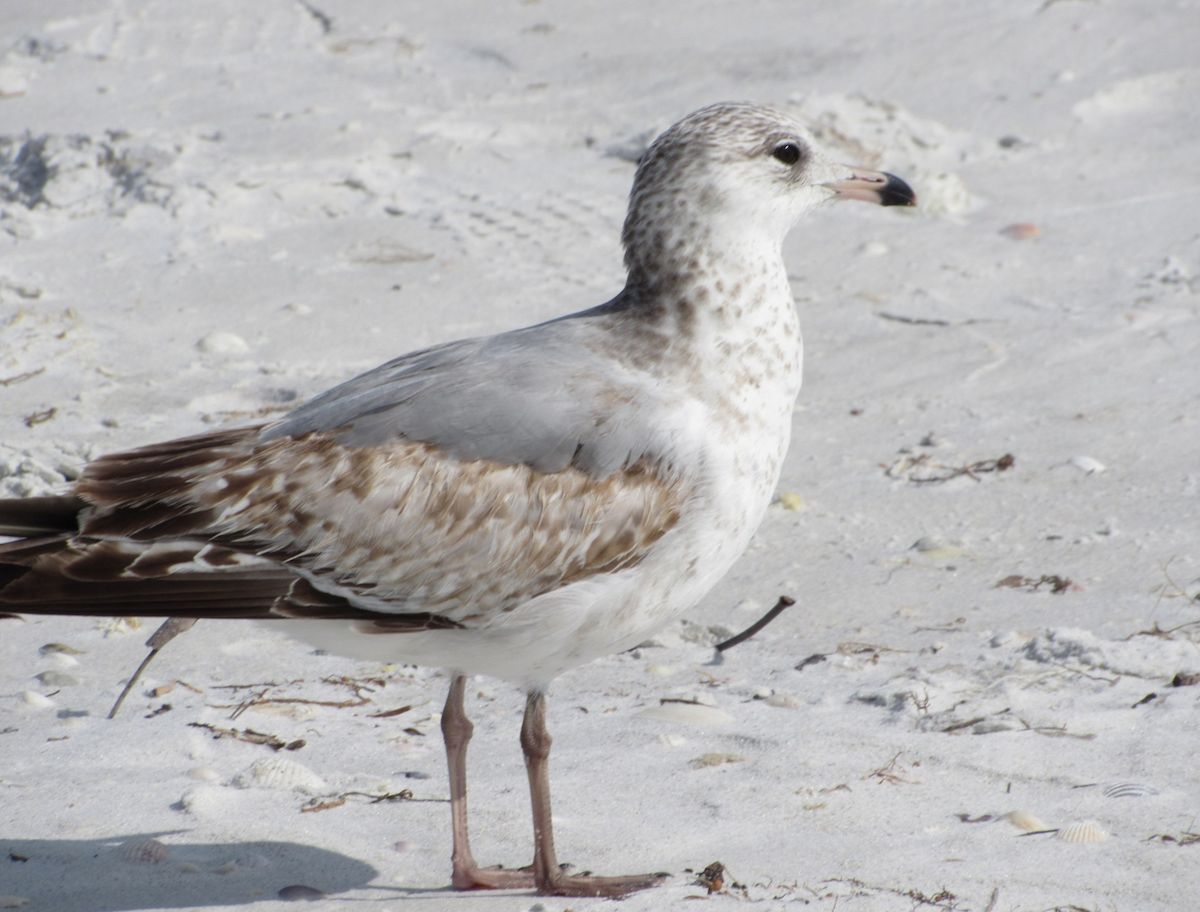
pixel 193 527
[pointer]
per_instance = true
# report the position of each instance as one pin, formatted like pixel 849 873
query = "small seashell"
pixel 57 679
pixel 187 867
pixel 1021 231
pixel 1082 831
pixel 1023 820
pixel 790 500
pixel 935 547
pixel 300 893
pixel 228 868
pixel 1128 790
pixel 662 671
pixel 203 774
pixel 61 648
pixel 704 761
pixel 782 701
pixel 144 851
pixel 1087 464
pixel 280 773
pixel 404 845
pixel 36 700
pixel 207 801
pixel 254 860
pixel 672 740
pixel 12 902
pixel 220 342
pixel 687 714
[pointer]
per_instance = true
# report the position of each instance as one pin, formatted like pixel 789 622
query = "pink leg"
pixel 456 731
pixel 550 879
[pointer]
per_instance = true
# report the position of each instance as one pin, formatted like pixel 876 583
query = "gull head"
pixel 733 175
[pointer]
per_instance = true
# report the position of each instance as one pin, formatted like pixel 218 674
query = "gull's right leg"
pixel 467 875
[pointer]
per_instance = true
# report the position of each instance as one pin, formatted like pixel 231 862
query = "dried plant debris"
pixel 892 772
pixel 1002 721
pixel 17 378
pixel 1057 584
pixel 1171 589
pixel 358 686
pixel 1186 838
pixel 923 469
pixel 41 417
pixel 389 713
pixel 937 899
pixel 1185 630
pixel 1185 680
pixel 330 802
pixel 714 758
pixel 784 602
pixel 251 737
pixel 712 878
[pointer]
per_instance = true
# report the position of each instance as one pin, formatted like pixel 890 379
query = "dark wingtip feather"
pixel 25 516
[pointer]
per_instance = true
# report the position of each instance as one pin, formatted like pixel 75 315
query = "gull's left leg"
pixel 551 880
pixel 456 731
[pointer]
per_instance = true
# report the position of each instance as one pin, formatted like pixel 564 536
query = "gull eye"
pixel 787 152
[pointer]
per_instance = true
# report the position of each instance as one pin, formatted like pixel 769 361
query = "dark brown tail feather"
pixel 96 578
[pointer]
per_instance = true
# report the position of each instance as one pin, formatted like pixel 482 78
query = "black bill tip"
pixel 896 192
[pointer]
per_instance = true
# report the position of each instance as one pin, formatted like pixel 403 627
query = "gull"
pixel 514 505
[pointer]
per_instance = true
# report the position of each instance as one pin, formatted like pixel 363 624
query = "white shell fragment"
pixel 12 902
pixel 1023 820
pixel 144 851
pixel 1082 831
pixel 1129 790
pixel 782 701
pixel 59 649
pixel 936 547
pixel 220 342
pixel 1087 464
pixel 687 714
pixel 280 773
pixel 36 700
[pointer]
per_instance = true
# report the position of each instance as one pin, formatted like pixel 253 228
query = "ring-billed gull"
pixel 514 505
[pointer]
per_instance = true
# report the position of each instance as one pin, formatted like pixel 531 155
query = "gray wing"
pixel 544 396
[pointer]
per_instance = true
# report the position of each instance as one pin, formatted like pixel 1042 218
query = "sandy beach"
pixel 987 695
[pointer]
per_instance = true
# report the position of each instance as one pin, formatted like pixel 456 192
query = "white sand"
pixel 248 208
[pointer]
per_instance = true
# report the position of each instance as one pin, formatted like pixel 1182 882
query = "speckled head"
pixel 734 177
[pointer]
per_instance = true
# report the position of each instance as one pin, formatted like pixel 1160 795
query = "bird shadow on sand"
pixel 138 871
